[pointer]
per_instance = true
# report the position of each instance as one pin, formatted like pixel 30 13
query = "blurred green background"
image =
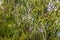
pixel 29 20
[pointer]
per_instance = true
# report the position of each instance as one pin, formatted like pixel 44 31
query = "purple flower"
pixel 58 34
pixel 51 6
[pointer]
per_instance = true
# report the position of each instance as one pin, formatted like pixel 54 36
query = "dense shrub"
pixel 30 20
